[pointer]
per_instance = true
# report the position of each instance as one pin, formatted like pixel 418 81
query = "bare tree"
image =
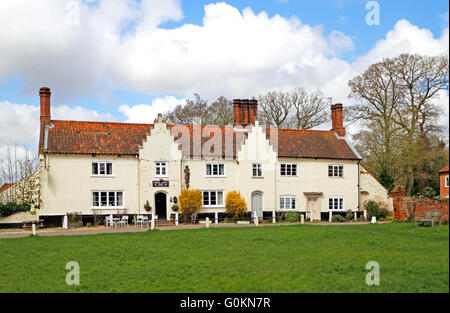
pixel 193 112
pixel 310 109
pixel 395 96
pixel 274 108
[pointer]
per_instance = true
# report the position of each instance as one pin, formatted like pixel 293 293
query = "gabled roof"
pixel 444 170
pixel 5 187
pixel 108 138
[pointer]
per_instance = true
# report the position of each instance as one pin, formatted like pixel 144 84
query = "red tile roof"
pixel 5 187
pixel 73 137
pixel 444 170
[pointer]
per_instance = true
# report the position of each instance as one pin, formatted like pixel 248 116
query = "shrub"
pixel 292 217
pixel 372 208
pixel 235 205
pixel 384 212
pixel 12 208
pixel 429 192
pixel 338 218
pixel 190 202
pixel 349 214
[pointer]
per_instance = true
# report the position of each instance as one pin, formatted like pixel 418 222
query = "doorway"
pixel 257 204
pixel 314 206
pixel 161 205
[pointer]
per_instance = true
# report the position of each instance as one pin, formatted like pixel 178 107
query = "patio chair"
pixel 138 221
pixel 109 222
pixel 124 221
pixel 144 220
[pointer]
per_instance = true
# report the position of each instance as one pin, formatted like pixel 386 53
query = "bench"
pixel 29 224
pixel 431 216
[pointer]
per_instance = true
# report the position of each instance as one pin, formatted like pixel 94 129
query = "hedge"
pixel 11 208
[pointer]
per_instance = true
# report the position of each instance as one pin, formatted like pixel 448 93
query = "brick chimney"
pixel 337 119
pixel 44 94
pixel 245 111
pixel 237 111
pixel 253 108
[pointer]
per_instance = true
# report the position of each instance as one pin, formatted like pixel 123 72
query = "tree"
pixel 294 108
pixel 190 202
pixel 198 111
pixel 394 101
pixel 235 204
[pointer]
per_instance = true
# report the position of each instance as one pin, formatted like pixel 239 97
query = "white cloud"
pixel 19 123
pixel 118 44
pixel 78 113
pixel 145 113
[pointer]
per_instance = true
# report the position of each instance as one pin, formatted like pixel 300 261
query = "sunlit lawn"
pixel 299 258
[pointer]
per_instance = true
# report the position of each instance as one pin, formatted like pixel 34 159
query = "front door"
pixel 314 206
pixel 257 204
pixel 161 205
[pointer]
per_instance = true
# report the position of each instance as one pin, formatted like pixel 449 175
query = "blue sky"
pixel 121 54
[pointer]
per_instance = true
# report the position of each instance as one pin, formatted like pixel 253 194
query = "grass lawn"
pixel 297 258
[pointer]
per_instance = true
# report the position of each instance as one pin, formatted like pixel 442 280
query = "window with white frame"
pixel 161 169
pixel 257 170
pixel 288 202
pixel 107 199
pixel 102 169
pixel 288 169
pixel 215 169
pixel 335 170
pixel 212 198
pixel 335 204
pixel 446 181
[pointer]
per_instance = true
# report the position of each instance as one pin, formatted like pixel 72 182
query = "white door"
pixel 314 206
pixel 257 204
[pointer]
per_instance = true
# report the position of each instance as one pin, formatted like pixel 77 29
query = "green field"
pixel 296 258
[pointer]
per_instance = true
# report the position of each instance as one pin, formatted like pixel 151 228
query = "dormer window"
pixel 102 169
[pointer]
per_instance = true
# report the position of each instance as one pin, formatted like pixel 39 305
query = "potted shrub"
pixel 175 208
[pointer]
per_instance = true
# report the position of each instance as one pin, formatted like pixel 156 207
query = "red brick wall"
pixel 444 190
pixel 404 206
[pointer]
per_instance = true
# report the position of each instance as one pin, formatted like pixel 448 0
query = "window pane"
pixel 103 198
pixel 111 199
pixel 221 169
pixel 281 203
pixel 330 171
pixel 294 169
pixel 293 203
pixel 330 204
pixel 220 198
pixel 213 198
pixel 158 170
pixel 341 169
pixel 208 169
pixel 95 168
pixel 109 169
pixel 120 198
pixel 215 169
pixel 283 169
pixel 205 198
pixel 341 204
pixel 102 170
pixel 95 199
pixel 163 169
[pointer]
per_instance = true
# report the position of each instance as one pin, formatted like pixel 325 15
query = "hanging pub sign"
pixel 160 183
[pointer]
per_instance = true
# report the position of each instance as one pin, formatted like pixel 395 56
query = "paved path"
pixel 132 229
